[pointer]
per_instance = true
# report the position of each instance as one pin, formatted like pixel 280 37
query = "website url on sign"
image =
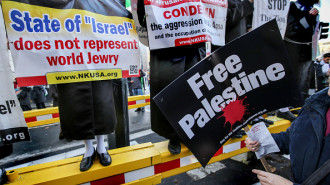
pixel 83 76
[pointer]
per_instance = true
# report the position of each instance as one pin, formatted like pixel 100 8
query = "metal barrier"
pixel 47 116
pixel 146 163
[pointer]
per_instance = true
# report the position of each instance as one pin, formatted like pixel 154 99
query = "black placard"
pixel 248 77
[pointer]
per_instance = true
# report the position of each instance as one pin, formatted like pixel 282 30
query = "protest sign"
pixel 13 127
pixel 45 39
pixel 260 133
pixel 248 77
pixel 141 31
pixel 172 23
pixel 266 10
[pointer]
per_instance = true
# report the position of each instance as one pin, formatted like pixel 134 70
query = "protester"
pixel 54 94
pixel 302 18
pixel 165 66
pixel 321 77
pixel 6 150
pixel 169 63
pixel 87 109
pixel 307 141
pixel 24 98
pixel 325 62
pixel 298 37
pixel 38 95
pixel 136 84
pixel 238 16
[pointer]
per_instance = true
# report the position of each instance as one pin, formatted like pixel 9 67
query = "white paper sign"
pixel 13 127
pixel 260 133
pixel 266 10
pixel 62 40
pixel 172 23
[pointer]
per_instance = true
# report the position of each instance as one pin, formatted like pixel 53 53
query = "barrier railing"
pixel 146 163
pixel 47 116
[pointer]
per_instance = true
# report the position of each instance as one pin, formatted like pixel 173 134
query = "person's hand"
pixel 251 1
pixel 252 145
pixel 271 179
pixel 313 11
pixel 328 73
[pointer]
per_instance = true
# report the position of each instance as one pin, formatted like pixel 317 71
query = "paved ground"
pixel 45 147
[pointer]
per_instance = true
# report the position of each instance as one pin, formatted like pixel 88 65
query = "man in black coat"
pixel 24 98
pixel 87 109
pixel 301 23
pixel 38 96
pixel 169 63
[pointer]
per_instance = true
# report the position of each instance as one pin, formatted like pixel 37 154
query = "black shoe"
pixel 242 132
pixel 237 135
pixel 3 176
pixel 174 147
pixel 105 158
pixel 138 109
pixel 87 162
pixel 254 121
pixel 269 122
pixel 286 115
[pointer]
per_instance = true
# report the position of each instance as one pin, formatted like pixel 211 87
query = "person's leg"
pixel 87 161
pixel 140 92
pixel 102 153
pixel 100 144
pixel 89 148
pixel 136 92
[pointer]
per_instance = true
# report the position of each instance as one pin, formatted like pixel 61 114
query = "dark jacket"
pixel 237 14
pixel 298 14
pixel 24 96
pixel 305 140
pixel 137 81
pixel 54 94
pixel 38 94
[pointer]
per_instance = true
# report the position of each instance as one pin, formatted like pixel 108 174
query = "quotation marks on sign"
pixel 6 108
pixel 106 28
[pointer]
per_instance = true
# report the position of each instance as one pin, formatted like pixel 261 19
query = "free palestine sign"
pixel 248 77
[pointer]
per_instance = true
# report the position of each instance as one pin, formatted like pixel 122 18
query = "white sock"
pixel 89 148
pixel 285 109
pixel 100 144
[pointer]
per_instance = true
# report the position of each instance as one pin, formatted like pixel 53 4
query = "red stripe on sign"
pixel 147 100
pixel 31 81
pixel 192 40
pixel 32 119
pixel 56 115
pixel 220 151
pixel 113 180
pixel 243 144
pixel 131 102
pixel 167 3
pixel 222 3
pixel 126 74
pixel 163 167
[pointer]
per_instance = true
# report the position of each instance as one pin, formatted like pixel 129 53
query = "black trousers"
pixel 165 66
